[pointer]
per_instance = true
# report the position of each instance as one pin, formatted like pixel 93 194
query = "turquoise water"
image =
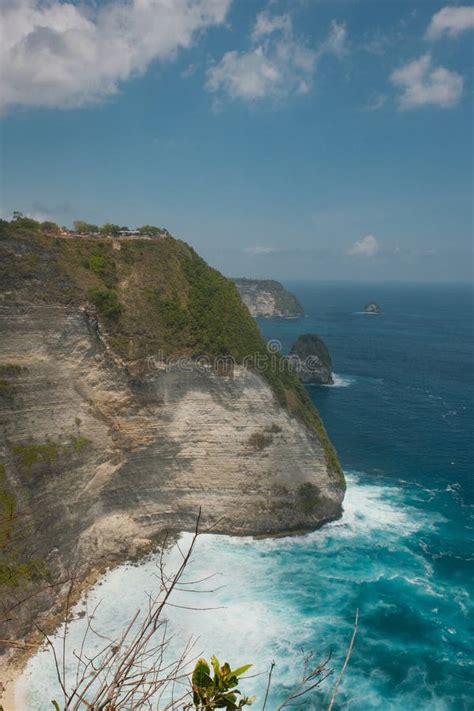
pixel 405 422
pixel 401 416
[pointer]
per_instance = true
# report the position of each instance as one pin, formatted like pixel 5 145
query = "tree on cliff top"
pixel 110 229
pixel 150 230
pixel 84 228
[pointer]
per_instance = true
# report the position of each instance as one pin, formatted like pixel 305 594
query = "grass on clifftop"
pixel 155 297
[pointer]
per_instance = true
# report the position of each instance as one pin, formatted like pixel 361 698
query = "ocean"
pixel 401 417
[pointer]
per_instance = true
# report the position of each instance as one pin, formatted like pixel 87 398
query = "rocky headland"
pixel 266 297
pixel 118 423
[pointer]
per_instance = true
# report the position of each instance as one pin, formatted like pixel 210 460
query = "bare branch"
pixel 272 666
pixel 346 662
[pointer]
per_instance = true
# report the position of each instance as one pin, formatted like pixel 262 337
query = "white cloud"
pixel 278 64
pixel 61 54
pixel 266 24
pixel 368 246
pixel 277 71
pixel 258 250
pixel 450 21
pixel 422 84
pixel 336 42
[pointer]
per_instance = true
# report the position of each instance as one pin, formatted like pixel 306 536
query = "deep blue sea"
pixel 401 416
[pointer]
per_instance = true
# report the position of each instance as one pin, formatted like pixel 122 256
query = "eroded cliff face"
pixel 148 445
pixel 261 303
pixel 267 297
pixel 104 453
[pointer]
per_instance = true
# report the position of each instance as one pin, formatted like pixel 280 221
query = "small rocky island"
pixel 372 308
pixel 266 297
pixel 312 360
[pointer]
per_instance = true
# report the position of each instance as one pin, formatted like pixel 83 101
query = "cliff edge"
pixel 118 422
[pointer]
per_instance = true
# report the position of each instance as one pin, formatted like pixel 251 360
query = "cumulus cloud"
pixel 60 54
pixel 278 63
pixel 266 24
pixel 423 84
pixel 368 246
pixel 278 71
pixel 450 22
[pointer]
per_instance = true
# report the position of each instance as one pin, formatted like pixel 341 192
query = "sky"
pixel 297 139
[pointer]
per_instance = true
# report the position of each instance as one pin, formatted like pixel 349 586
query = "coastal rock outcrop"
pixel 372 308
pixel 311 359
pixel 266 297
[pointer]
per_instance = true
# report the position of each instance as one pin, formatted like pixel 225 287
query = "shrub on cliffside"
pixel 107 303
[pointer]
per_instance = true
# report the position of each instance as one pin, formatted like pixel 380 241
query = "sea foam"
pixel 341 381
pixel 270 597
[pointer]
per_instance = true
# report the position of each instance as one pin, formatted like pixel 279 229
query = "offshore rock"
pixel 372 308
pixel 311 360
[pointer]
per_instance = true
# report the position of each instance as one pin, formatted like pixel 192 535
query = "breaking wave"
pixel 273 597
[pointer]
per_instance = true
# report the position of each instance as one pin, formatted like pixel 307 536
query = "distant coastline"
pixel 269 298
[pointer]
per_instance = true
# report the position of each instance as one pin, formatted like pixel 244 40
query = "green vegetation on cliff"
pixel 29 454
pixel 292 395
pixel 106 302
pixel 154 297
pixel 16 568
pixel 310 344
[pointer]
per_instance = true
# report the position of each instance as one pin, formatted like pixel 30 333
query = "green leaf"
pixel 225 669
pixel 219 692
pixel 241 670
pixel 201 675
pixel 216 666
pixel 56 705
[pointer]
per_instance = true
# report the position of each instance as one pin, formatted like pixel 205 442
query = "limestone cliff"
pixel 105 444
pixel 266 297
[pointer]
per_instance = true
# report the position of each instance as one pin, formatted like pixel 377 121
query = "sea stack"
pixel 372 308
pixel 312 360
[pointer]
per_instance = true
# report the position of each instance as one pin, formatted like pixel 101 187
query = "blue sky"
pixel 302 139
